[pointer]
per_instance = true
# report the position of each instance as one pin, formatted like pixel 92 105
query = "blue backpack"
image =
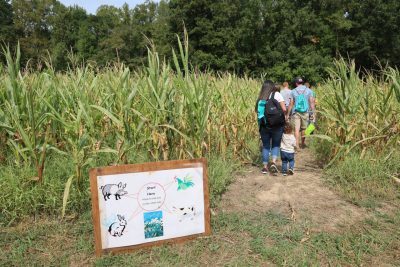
pixel 301 102
pixel 261 112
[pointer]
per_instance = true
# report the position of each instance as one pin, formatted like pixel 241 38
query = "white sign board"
pixel 140 205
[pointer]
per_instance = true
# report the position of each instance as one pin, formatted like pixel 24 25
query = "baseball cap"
pixel 299 80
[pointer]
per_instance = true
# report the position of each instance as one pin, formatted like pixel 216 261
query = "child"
pixel 288 145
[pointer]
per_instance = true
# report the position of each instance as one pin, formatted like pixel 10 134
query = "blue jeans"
pixel 271 140
pixel 287 157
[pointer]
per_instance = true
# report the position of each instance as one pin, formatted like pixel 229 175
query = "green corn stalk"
pixel 159 95
pixel 24 117
pixel 359 114
pixel 195 96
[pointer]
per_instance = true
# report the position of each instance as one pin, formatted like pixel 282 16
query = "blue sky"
pixel 92 5
pixel 148 216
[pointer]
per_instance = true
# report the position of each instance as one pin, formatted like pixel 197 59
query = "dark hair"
pixel 288 128
pixel 266 89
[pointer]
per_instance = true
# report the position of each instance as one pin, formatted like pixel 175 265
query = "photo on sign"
pixel 153 224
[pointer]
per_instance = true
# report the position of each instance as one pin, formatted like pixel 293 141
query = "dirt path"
pixel 302 196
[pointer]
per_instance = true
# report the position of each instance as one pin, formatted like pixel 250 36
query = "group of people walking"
pixel 283 116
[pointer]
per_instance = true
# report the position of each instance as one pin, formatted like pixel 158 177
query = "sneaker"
pixel 284 174
pixel 291 172
pixel 264 170
pixel 273 168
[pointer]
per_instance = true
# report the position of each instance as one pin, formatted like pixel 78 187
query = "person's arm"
pixel 283 106
pixel 289 108
pixel 311 101
pixel 278 97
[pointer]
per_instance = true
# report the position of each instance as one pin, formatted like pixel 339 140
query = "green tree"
pixel 6 22
pixel 32 20
pixel 87 45
pixel 212 29
pixel 65 34
pixel 108 19
pixel 278 38
pixel 162 34
pixel 375 32
pixel 129 35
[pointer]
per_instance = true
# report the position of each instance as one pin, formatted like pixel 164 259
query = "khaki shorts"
pixel 300 120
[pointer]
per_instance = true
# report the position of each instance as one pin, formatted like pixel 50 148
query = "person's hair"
pixel 266 89
pixel 288 128
pixel 285 84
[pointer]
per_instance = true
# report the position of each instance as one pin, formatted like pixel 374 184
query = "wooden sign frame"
pixel 138 168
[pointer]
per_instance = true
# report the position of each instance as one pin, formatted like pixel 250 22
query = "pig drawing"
pixel 113 189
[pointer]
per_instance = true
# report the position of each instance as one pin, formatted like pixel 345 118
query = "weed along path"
pixel 302 196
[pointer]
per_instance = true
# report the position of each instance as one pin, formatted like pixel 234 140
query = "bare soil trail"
pixel 303 196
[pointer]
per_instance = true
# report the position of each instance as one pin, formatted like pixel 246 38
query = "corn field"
pixel 172 112
pixel 85 111
pixel 360 112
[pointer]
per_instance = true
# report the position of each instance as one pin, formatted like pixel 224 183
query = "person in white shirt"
pixel 288 145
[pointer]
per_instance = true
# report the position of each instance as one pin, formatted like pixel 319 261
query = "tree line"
pixel 278 38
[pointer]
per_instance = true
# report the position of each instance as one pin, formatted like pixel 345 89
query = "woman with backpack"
pixel 270 108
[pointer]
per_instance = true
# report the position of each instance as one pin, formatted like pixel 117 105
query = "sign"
pixel 141 205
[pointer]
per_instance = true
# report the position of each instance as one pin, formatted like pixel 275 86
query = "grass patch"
pixel 239 239
pixel 284 242
pixel 23 197
pixel 366 181
pixel 220 175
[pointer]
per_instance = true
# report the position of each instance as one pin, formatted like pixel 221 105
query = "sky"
pixel 92 5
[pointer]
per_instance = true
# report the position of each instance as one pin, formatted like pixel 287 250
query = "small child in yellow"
pixel 288 145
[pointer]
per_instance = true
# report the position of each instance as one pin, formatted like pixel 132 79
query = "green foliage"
pixel 85 117
pixel 6 22
pixel 24 197
pixel 278 39
pixel 359 113
pixel 365 46
pixel 220 175
pixel 367 181
pixel 359 133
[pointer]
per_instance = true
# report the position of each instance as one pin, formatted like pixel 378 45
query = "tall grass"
pixel 155 114
pixel 360 128
pixel 360 112
pixel 86 115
